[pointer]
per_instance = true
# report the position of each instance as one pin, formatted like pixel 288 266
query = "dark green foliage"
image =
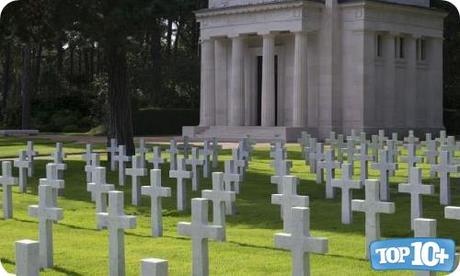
pixel 164 121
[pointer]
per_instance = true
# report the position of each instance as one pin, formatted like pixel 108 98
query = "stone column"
pixel 389 79
pixel 435 98
pixel 411 81
pixel 235 97
pixel 221 81
pixel 207 100
pixel 300 76
pixel 268 80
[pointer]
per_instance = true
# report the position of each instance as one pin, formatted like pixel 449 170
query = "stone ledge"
pixel 18 132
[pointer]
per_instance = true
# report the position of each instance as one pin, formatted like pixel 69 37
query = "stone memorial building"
pixel 272 68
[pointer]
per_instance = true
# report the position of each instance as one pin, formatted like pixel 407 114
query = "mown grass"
pixel 79 249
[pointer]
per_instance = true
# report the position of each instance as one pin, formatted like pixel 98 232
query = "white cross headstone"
pixel 58 158
pixel 219 197
pixel 215 147
pixel 288 199
pixel 375 146
pixel 394 137
pixel 87 158
pixel 231 183
pixel 411 139
pixel 113 151
pixel 381 136
pixel 300 242
pixel 31 153
pixel 181 175
pixel 99 190
pixel 206 152
pixel 157 160
pixel 351 150
pixel 278 155
pixel 172 154
pixel 46 211
pixel 142 150
pixel 411 159
pixel 393 150
pixel 239 163
pixel 384 166
pixel 364 159
pixel 155 191
pixel 195 162
pixel 331 140
pixel 136 172
pixel 425 228
pixel 245 148
pixel 91 167
pixel 316 154
pixel 7 181
pixel 283 169
pixel 372 207
pixel 200 232
pixel 303 140
pixel 52 181
pixel 339 147
pixel 310 150
pixel 353 136
pixel 416 189
pixel 347 184
pixel 154 267
pixel 116 222
pixel 27 258
pixel 442 137
pixel 451 147
pixel 444 169
pixel 122 158
pixel 431 152
pixel 23 166
pixel 329 165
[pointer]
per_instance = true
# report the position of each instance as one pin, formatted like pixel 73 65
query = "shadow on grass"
pixel 55 268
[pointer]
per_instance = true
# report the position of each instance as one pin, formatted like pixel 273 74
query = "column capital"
pixel 268 33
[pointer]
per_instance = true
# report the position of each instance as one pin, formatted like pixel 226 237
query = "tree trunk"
pixel 120 120
pixel 26 87
pixel 79 64
pixel 72 55
pixel 6 78
pixel 169 36
pixel 36 77
pixel 157 85
pixel 59 55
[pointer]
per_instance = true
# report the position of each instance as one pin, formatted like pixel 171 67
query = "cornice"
pixel 256 8
pixel 376 4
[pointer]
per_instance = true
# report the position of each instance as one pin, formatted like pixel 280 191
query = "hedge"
pixel 164 121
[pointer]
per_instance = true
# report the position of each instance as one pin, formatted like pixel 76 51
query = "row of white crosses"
pixel 114 219
pixel 374 191
pixel 24 163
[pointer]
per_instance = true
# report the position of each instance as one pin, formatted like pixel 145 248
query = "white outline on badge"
pixel 3 4
pixel 456 272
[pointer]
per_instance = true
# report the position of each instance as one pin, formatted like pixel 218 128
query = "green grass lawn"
pixel 79 249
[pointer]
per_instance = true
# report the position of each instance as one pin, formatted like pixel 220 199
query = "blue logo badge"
pixel 427 254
